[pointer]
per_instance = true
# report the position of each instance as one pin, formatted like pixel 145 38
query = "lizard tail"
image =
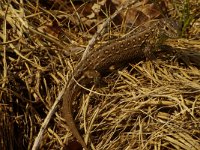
pixel 67 113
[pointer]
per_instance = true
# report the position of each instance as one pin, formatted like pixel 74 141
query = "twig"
pixel 101 30
pixel 47 119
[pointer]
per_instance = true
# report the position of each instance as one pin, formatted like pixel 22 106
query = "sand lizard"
pixel 122 49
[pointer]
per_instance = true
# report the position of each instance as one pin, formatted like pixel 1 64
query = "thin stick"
pixel 101 30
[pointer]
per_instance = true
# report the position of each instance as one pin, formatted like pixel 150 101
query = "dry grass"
pixel 147 105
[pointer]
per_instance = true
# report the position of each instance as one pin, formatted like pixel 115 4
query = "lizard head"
pixel 169 28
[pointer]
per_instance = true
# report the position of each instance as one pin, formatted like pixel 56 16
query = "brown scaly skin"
pixel 133 45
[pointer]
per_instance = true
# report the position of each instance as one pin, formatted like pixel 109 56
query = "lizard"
pixel 132 45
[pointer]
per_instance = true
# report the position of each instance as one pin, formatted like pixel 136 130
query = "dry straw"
pixel 146 105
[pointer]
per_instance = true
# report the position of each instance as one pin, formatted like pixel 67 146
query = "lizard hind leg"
pixel 91 77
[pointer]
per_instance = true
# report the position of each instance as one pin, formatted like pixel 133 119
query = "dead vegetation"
pixel 146 105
